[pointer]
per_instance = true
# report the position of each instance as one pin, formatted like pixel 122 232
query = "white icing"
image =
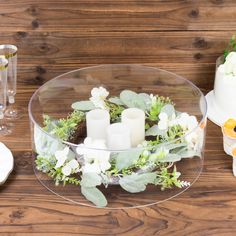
pixel 225 88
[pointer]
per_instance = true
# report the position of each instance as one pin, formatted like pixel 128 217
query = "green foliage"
pixel 115 111
pixel 126 159
pixel 83 106
pixel 157 104
pixel 90 180
pixel 135 183
pixel 230 47
pixel 168 179
pixel 134 170
pixel 154 131
pixel 63 128
pixel 116 101
pixel 46 165
pixel 168 109
pixel 94 195
pixel 132 99
pixel 174 132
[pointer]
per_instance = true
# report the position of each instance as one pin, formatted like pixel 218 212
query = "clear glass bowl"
pixel 55 97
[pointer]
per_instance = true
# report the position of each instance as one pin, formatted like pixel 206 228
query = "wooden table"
pixel 57 36
pixel 26 207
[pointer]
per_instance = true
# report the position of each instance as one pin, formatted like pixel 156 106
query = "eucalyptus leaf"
pixel 146 99
pixel 168 109
pixel 116 101
pixel 170 158
pixel 83 106
pixel 94 195
pixel 131 99
pixel 154 131
pixel 135 183
pixel 188 153
pixel 172 146
pixel 46 145
pixel 126 159
pixel 105 179
pixel 90 180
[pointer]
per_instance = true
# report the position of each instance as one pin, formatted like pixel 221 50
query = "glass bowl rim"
pixel 80 145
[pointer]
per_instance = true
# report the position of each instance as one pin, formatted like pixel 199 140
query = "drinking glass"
pixel 10 53
pixel 4 129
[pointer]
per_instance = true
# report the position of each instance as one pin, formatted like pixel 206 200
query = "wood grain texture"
pixel 207 208
pixel 55 37
pixel 125 15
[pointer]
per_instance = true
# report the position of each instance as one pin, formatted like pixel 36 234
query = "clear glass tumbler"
pixel 10 53
pixel 4 129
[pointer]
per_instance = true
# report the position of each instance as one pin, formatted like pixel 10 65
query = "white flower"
pixel 61 157
pixel 95 156
pixel 153 99
pixel 230 64
pixel 91 168
pixel 98 97
pixel 195 140
pixel 66 170
pixel 70 167
pixel 163 122
pixel 186 121
pixel 143 144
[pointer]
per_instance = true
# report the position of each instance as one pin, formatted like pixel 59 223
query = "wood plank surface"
pixel 54 37
pixel 208 206
pixel 125 15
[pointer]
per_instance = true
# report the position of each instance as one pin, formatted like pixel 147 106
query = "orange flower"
pixel 234 152
pixel 203 124
pixel 229 128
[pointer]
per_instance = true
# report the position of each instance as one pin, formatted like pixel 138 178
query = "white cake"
pixel 225 86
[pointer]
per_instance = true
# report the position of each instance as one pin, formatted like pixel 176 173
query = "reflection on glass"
pixel 10 53
pixel 4 129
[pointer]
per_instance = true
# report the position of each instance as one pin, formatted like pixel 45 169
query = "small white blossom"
pixel 146 153
pixel 230 64
pixel 186 121
pixel 98 97
pixel 91 168
pixel 163 122
pixel 184 184
pixel 143 144
pixel 73 164
pixel 70 167
pixel 61 157
pixel 153 99
pixel 195 140
pixel 66 170
pixel 95 155
pixel 163 116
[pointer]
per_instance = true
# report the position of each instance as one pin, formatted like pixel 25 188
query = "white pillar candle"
pixel 118 136
pixel 134 118
pixel 97 122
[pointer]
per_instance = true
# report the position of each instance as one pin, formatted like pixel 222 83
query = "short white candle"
pixel 97 122
pixel 118 136
pixel 134 118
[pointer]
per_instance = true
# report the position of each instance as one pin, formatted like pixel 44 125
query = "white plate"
pixel 6 163
pixel 214 113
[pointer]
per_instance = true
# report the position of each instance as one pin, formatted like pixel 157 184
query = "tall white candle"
pixel 97 122
pixel 118 136
pixel 134 118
